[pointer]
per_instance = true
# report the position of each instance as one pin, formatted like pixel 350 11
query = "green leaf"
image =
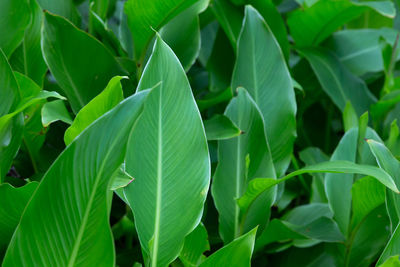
pixel 64 8
pixel 120 178
pixel 15 17
pixel 337 81
pixel 174 173
pixel 146 16
pixel 350 118
pixel 312 25
pixel 182 34
pixel 12 204
pixel 236 253
pixel 269 83
pixel 391 165
pixel 359 49
pixel 81 65
pixel 338 186
pixel 55 111
pixel 28 58
pixel 233 171
pixel 258 185
pixel 99 105
pixel 72 195
pixel 9 90
pixel 220 127
pixel 392 261
pixel 196 243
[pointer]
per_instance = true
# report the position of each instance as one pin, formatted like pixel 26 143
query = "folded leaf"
pixel 261 69
pixel 258 185
pixel 72 196
pixel 99 105
pixel 196 243
pixel 236 253
pixel 220 127
pixel 167 155
pixel 55 111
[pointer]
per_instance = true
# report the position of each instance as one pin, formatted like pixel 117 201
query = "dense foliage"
pixel 199 133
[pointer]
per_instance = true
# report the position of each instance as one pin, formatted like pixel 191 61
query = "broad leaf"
pixel 81 65
pixel 196 243
pixel 312 25
pixel 99 105
pixel 14 19
pixel 55 111
pixel 12 204
pixel 146 16
pixel 261 69
pixel 338 82
pixel 173 174
pixel 64 8
pixel 236 253
pixel 72 195
pixel 241 159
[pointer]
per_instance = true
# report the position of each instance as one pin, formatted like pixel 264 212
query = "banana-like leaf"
pixel 312 25
pixel 261 69
pixel 81 65
pixel 15 17
pixel 167 155
pixel 55 111
pixel 234 172
pixel 146 16
pixel 64 8
pixel 66 221
pixel 338 185
pixel 99 105
pixel 391 165
pixel 9 90
pixel 220 127
pixel 337 81
pixel 12 203
pixel 196 243
pixel 236 253
pixel 259 185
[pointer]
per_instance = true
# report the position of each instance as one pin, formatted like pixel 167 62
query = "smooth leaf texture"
pixel 174 173
pixel 9 90
pixel 259 185
pixel 313 25
pixel 55 111
pixel 233 171
pixel 14 18
pixel 220 127
pixel 236 253
pixel 64 8
pixel 81 65
pixel 338 186
pixel 72 195
pixel 146 16
pixel 12 203
pixel 196 243
pixel 338 82
pixel 266 77
pixel 391 165
pixel 99 105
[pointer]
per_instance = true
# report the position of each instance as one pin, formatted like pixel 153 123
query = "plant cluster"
pixel 199 133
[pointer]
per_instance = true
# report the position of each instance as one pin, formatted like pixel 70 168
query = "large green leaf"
pixel 258 185
pixel 391 165
pixel 196 243
pixel 72 196
pixel 146 16
pixel 182 34
pixel 338 82
pixel 168 157
pixel 220 127
pixel 64 8
pixel 359 49
pixel 14 18
pixel 28 58
pixel 338 186
pixel 312 25
pixel 392 248
pixel 241 159
pixel 12 204
pixel 55 111
pixel 236 253
pixel 99 105
pixel 81 65
pixel 261 69
pixel 9 90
